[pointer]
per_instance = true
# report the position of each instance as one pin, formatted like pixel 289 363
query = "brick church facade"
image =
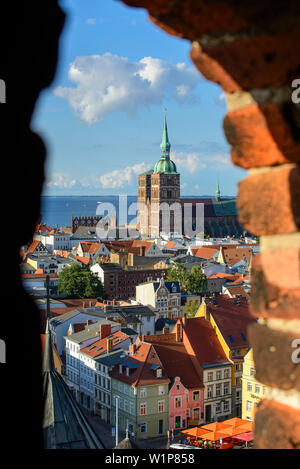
pixel 161 209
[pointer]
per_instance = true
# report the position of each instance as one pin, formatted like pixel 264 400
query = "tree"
pixel 178 273
pixel 197 281
pixel 190 308
pixel 79 282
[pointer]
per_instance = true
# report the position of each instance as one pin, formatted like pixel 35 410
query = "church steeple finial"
pixel 218 193
pixel 165 144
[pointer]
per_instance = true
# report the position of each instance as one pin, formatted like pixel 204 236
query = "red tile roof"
pixel 79 303
pixel 238 290
pixel 234 254
pixel 207 252
pixel 232 319
pixel 117 338
pixel 201 341
pixel 41 227
pixel 90 247
pixel 62 253
pixel 83 260
pixel 175 359
pixel 33 246
pixel 143 375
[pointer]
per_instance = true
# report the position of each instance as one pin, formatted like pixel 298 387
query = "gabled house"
pixel 140 390
pixel 163 296
pixel 92 250
pixel 230 318
pixel 186 396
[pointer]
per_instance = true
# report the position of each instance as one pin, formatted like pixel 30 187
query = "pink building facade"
pixel 186 406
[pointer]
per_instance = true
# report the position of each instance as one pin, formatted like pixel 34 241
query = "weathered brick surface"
pixel 250 46
pixel 268 300
pixel 277 426
pixel 261 136
pixel 282 267
pixel 264 60
pixel 272 351
pixel 192 19
pixel 268 202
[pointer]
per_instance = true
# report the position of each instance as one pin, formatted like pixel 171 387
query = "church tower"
pixel 158 190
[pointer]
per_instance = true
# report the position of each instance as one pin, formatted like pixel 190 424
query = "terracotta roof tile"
pixel 232 319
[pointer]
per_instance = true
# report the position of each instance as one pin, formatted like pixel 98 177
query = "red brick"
pixel 268 202
pixel 260 136
pixel 277 426
pixel 263 61
pixel 273 357
pixel 269 300
pixel 282 267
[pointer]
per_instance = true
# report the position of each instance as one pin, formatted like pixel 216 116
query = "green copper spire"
pixel 165 144
pixel 164 164
pixel 218 193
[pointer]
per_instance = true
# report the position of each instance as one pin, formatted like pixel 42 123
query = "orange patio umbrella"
pixel 232 431
pixel 214 436
pixel 195 431
pixel 246 427
pixel 216 426
pixel 235 422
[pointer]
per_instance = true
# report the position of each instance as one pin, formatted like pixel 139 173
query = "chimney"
pixel 132 348
pixel 179 332
pixel 184 320
pixel 104 331
pixel 109 345
pixel 166 330
pixel 89 321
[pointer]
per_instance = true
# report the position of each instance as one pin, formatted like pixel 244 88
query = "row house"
pixel 54 240
pixel 92 250
pixel 164 296
pixel 230 318
pixel 211 363
pixel 140 390
pixel 104 364
pixel 186 389
pixel 253 390
pixel 81 366
pixel 195 361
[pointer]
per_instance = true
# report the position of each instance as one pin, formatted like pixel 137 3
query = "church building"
pixel 160 204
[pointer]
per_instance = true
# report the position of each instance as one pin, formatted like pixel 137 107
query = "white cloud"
pixel 187 161
pixel 91 21
pixel 122 177
pixel 192 162
pixel 106 83
pixel 61 181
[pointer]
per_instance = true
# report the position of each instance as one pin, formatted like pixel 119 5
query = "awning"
pixel 244 436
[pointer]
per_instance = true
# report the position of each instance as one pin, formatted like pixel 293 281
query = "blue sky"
pixel 102 118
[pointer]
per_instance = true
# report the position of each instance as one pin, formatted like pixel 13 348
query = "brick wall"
pixel 250 49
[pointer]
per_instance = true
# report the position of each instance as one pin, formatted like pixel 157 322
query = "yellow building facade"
pixel 252 390
pixel 236 356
